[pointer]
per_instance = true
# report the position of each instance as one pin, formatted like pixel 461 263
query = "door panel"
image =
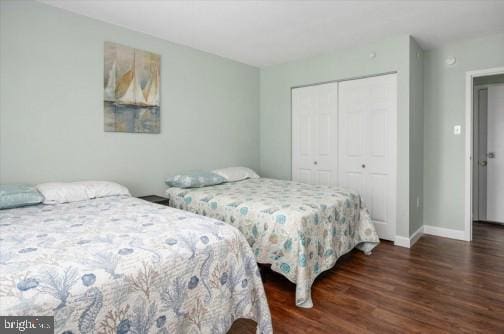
pixel 323 177
pixel 495 154
pixel 367 139
pixel 305 135
pixel 353 124
pixel 314 134
pixel 377 185
pixel 353 181
pixel 324 134
pixel 304 176
pixel 377 133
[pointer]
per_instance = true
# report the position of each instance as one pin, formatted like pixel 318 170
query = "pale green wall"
pixel 51 113
pixel 416 136
pixel 275 116
pixel 444 105
pixel 51 105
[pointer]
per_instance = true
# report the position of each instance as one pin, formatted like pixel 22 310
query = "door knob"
pixel 491 155
pixel 315 163
pixel 483 163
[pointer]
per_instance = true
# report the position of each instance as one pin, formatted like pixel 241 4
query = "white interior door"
pixel 495 154
pixel 367 146
pixel 314 136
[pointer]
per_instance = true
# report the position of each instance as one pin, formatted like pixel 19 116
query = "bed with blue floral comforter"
pixel 123 265
pixel 300 229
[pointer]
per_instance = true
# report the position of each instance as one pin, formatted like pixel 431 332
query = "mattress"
pixel 121 264
pixel 300 229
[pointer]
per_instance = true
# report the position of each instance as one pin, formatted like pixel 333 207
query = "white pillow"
pixel 97 189
pixel 66 192
pixel 61 192
pixel 232 174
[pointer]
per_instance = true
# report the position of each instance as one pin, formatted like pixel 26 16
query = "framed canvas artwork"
pixel 131 96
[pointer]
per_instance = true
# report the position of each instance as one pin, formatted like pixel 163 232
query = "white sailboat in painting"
pixel 109 92
pixel 151 90
pixel 133 93
pixel 129 90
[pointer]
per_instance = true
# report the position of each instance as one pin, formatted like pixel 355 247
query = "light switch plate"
pixel 457 129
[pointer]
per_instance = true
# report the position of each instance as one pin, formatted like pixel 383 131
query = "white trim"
pixel 416 236
pixel 467 233
pixel 429 230
pixel 444 232
pixel 409 242
pixel 402 241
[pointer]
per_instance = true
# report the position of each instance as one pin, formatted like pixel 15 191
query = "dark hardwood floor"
pixel 438 286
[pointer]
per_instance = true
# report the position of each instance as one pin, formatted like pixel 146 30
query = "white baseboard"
pixel 416 235
pixel 402 241
pixel 430 230
pixel 408 242
pixel 444 232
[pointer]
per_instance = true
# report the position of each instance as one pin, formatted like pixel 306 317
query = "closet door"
pixel 314 134
pixel 367 146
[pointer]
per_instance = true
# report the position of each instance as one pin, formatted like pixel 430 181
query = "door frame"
pixel 470 75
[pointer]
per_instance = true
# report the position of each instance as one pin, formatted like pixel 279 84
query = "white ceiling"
pixel 263 33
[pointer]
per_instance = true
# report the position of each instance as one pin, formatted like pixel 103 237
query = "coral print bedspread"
pixel 123 265
pixel 300 229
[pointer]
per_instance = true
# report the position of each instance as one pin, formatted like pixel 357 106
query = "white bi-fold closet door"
pixel 314 134
pixel 367 145
pixel 344 134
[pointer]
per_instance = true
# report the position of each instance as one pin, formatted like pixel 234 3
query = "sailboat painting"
pixel 131 90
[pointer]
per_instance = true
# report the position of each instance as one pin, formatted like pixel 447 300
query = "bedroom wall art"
pixel 131 97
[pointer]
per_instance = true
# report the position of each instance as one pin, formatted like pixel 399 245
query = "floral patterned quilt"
pixel 300 229
pixel 124 265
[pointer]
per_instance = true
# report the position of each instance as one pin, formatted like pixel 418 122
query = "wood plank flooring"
pixel 438 286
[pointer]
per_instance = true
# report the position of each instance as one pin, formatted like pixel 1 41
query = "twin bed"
pixel 118 264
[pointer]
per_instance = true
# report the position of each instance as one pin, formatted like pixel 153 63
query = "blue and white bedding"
pixel 300 229
pixel 123 265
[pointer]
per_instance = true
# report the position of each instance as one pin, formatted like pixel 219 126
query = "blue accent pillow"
pixel 16 195
pixel 196 179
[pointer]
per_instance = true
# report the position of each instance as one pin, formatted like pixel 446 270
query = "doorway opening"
pixel 487 154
